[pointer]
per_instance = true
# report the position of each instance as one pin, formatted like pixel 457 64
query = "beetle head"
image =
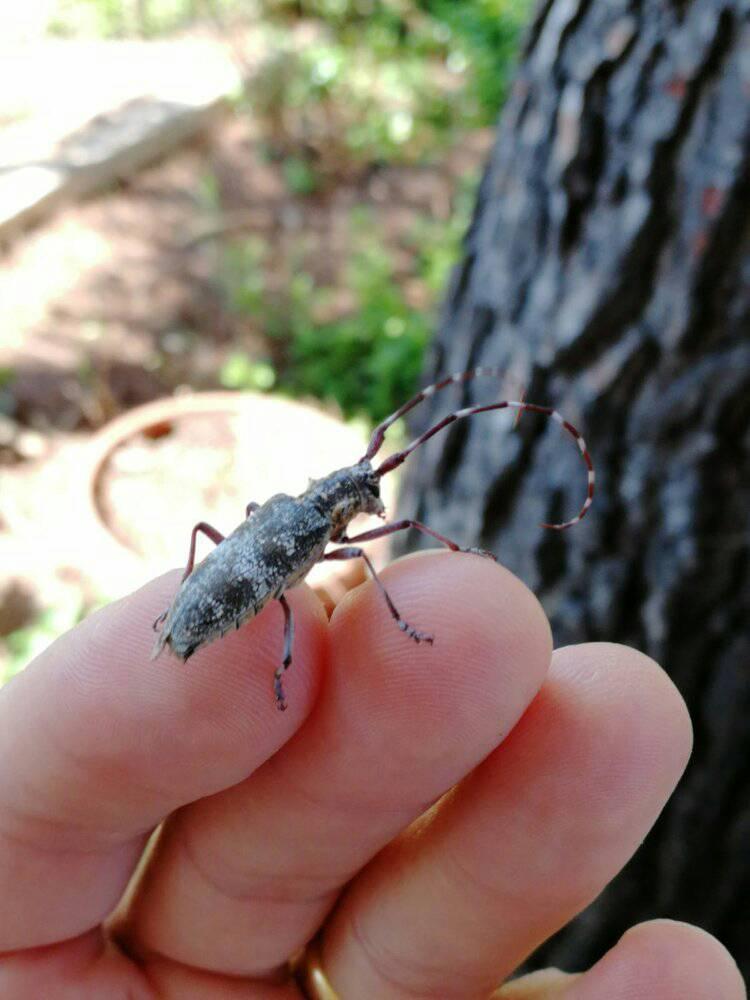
pixel 347 492
pixel 368 485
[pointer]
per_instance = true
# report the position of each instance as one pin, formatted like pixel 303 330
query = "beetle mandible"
pixel 280 541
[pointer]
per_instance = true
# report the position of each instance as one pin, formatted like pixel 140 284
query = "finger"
pixel 664 959
pixel 528 840
pixel 98 744
pixel 89 968
pixel 660 958
pixel 395 726
pixel 545 984
pixel 332 590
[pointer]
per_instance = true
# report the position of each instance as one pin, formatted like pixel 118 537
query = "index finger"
pixel 97 745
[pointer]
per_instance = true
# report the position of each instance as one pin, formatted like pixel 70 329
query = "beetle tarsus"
pixel 415 634
pixel 481 552
pixel 278 689
pixel 286 662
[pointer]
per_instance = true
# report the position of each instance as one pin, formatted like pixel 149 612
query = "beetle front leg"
pixel 286 662
pixel 394 526
pixel 353 552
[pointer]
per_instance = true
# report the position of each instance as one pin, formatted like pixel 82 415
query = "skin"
pixel 437 810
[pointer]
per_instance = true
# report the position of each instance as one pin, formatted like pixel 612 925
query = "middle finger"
pixel 396 725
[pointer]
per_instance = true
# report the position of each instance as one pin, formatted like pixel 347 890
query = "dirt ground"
pixel 119 300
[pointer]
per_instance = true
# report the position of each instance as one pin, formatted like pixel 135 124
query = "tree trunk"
pixel 607 269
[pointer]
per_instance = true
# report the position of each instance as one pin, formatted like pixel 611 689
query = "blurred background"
pixel 203 195
pixel 236 234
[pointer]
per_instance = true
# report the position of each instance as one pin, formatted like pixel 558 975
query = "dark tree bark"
pixel 607 269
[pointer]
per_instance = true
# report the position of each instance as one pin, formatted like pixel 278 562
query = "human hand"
pixel 325 816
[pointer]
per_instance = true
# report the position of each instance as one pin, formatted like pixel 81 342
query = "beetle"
pixel 280 541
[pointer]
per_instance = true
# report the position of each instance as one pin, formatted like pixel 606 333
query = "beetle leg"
pixel 209 532
pixel 353 552
pixel 394 526
pixel 162 617
pixel 287 660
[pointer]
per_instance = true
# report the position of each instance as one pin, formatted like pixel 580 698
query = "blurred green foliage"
pixel 339 88
pixel 364 80
pixel 24 644
pixel 367 360
pixel 484 36
pixel 387 81
pixel 129 18
pixel 366 84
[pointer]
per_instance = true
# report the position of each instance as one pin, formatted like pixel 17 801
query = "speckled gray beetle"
pixel 279 542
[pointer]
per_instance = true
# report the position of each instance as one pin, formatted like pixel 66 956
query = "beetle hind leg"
pixel 215 536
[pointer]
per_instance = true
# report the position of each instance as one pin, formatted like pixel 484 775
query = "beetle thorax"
pixel 347 492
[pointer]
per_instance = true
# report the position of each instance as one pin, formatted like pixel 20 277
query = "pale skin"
pixel 322 818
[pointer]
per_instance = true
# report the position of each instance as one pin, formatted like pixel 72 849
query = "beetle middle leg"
pixel 286 662
pixel 354 552
pixel 157 621
pixel 394 526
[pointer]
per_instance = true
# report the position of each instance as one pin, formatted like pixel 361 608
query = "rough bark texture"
pixel 607 269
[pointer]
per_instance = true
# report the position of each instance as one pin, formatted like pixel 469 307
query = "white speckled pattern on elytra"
pixel 267 554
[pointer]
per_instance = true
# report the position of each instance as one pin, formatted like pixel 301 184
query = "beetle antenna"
pixel 378 435
pixel 393 461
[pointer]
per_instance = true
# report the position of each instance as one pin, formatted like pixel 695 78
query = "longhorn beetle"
pixel 279 542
